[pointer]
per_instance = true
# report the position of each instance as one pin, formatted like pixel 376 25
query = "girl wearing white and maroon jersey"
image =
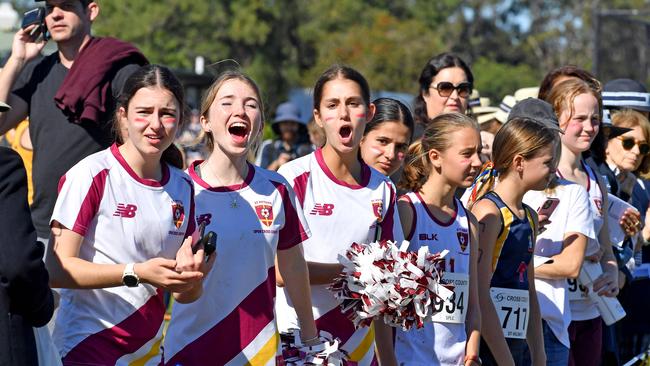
pixel 119 223
pixel 578 106
pixel 255 215
pixel 431 216
pixel 564 239
pixel 344 201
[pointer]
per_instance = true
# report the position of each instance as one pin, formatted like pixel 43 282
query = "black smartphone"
pixel 208 240
pixel 35 16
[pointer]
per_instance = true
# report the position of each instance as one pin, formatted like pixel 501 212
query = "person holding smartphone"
pixel 256 216
pixel 69 96
pixel 564 211
pixel 122 232
pixel 578 106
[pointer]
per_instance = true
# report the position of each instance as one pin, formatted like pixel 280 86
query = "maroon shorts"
pixel 586 338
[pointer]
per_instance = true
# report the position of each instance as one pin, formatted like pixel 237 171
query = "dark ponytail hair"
pixel 146 77
pixel 340 72
pixel 390 110
pixel 429 72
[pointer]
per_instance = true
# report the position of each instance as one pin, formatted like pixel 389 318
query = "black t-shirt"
pixel 58 143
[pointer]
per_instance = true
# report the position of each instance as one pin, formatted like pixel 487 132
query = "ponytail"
pixel 483 183
pixel 416 170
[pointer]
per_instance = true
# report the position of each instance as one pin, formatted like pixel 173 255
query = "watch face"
pixel 130 281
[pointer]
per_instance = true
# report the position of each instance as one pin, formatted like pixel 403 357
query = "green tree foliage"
pixel 286 43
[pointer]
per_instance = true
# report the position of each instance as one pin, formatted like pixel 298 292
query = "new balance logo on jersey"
pixel 322 209
pixel 125 210
pixel 424 236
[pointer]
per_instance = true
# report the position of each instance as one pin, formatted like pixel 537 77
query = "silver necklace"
pixel 233 196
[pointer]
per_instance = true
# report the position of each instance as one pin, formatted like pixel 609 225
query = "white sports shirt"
pixel 233 322
pixel 338 214
pixel 585 308
pixel 123 219
pixel 437 343
pixel 572 215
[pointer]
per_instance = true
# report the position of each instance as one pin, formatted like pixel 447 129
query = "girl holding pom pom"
pixel 344 201
pixel 524 159
pixel 446 158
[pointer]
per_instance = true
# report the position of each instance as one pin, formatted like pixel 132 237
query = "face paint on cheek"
pixel 169 122
pixel 401 156
pixel 376 151
pixel 327 119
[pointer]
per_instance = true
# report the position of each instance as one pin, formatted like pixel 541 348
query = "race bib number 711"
pixel 512 308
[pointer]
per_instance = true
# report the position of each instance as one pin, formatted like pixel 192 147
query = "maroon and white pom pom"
pixel 382 280
pixel 326 352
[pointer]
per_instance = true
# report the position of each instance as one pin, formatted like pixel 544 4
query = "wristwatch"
pixel 129 278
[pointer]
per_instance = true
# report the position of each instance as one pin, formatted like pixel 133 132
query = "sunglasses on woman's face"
pixel 445 89
pixel 628 143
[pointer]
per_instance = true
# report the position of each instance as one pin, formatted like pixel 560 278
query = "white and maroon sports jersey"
pixel 437 343
pixel 233 322
pixel 123 219
pixel 338 214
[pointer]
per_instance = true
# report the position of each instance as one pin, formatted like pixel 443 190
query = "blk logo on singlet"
pixel 425 236
pixel 125 210
pixel 322 209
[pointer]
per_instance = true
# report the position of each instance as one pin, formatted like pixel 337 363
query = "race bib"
pixel 512 309
pixel 577 291
pixel 454 309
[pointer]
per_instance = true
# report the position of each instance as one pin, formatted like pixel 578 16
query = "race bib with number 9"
pixel 455 308
pixel 577 291
pixel 512 308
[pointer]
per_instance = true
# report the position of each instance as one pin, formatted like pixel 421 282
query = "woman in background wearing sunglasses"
pixel 627 154
pixel 445 85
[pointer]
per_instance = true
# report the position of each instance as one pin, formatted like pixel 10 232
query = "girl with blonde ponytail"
pixel 446 158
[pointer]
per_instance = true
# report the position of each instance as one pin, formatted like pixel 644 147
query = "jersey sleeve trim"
pixel 300 186
pixel 409 236
pixel 90 205
pixel 191 224
pixel 293 232
pixel 388 223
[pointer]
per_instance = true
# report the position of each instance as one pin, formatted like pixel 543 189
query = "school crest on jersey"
pixel 378 209
pixel 178 214
pixel 463 238
pixel 264 212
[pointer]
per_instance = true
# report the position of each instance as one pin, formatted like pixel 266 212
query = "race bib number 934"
pixel 455 308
